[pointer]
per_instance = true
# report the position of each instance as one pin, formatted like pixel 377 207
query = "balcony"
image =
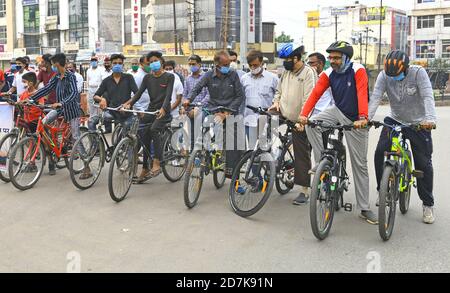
pixel 51 23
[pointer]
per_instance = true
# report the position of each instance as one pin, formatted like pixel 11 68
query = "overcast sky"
pixel 290 18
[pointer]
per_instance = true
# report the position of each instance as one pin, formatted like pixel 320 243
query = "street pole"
pixel 381 34
pixel 175 27
pixel 361 47
pixel 314 39
pixel 336 26
pixel 244 31
pixel 367 45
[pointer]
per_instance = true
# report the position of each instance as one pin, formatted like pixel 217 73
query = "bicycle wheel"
pixel 87 160
pixel 193 179
pixel 323 203
pixel 174 163
pixel 122 170
pixel 6 145
pixel 405 197
pixel 26 163
pixel 248 196
pixel 286 170
pixel 117 134
pixel 388 203
pixel 219 175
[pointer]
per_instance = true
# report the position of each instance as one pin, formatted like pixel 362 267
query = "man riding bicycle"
pixel 350 87
pixel 412 102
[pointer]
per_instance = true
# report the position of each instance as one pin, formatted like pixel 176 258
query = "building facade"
pixel 430 29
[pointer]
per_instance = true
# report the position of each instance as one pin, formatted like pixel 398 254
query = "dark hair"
pixel 232 53
pixel 156 54
pixel 195 58
pixel 47 58
pixel 255 54
pixel 31 77
pixel 220 54
pixel 142 59
pixel 117 56
pixel 170 63
pixel 319 56
pixel 27 58
pixel 22 60
pixel 59 58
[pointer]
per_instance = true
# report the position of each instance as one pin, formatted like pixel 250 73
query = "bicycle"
pixel 398 178
pixel 28 156
pixel 203 161
pixel 124 161
pixel 330 181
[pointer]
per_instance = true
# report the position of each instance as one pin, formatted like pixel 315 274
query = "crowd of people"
pixel 305 91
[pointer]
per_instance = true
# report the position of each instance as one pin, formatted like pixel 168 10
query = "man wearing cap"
pixel 294 88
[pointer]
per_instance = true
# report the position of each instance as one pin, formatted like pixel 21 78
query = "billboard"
pixel 372 15
pixel 313 18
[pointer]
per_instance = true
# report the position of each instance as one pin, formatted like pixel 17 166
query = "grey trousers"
pixel 74 124
pixel 357 142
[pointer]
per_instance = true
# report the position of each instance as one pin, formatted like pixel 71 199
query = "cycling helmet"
pixel 286 51
pixel 396 62
pixel 342 47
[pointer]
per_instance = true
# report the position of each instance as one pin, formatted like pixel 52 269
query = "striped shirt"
pixel 189 84
pixel 66 94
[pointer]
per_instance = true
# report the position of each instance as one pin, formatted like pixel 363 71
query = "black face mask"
pixel 288 65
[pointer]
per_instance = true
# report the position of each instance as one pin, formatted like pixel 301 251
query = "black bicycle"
pixel 330 181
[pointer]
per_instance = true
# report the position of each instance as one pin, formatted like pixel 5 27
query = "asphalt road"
pixel 50 228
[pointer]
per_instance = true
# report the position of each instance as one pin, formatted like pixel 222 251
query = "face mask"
pixel 225 69
pixel 169 71
pixel 13 68
pixel 54 68
pixel 345 64
pixel 288 65
pixel 135 68
pixel 234 65
pixel 257 71
pixel 72 70
pixel 94 64
pixel 118 68
pixel 147 68
pixel 400 77
pixel 18 68
pixel 195 69
pixel 155 66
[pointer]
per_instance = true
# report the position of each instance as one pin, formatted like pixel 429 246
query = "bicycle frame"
pixel 52 141
pixel 397 158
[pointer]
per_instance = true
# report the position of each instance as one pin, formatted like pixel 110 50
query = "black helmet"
pixel 396 62
pixel 342 47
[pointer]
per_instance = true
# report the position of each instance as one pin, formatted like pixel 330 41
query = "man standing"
pixel 296 84
pixel 259 87
pixel 235 63
pixel 72 67
pixel 170 66
pixel 94 80
pixel 350 86
pixel 134 67
pixel 107 72
pixel 18 86
pixel 178 89
pixel 317 61
pixel 143 70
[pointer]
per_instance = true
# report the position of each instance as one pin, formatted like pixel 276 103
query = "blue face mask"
pixel 94 64
pixel 54 68
pixel 118 68
pixel 155 66
pixel 225 69
pixel 195 69
pixel 13 68
pixel 400 77
pixel 345 64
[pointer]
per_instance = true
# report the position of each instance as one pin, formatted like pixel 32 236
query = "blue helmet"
pixel 286 51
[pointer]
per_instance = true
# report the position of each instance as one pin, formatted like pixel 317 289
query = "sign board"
pixel 71 46
pixel 19 52
pixel 136 15
pixel 6 56
pixel 252 22
pixel 313 19
pixel 339 11
pixel 372 15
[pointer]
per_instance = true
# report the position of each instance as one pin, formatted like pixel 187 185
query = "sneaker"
pixel 313 170
pixel 87 174
pixel 369 216
pixel 302 199
pixel 241 190
pixel 428 215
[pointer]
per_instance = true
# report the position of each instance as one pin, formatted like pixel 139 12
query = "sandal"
pixel 154 174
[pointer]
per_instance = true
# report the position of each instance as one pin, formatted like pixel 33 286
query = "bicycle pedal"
pixel 348 207
pixel 418 174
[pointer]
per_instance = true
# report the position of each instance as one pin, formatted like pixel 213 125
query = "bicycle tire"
pixel 405 197
pixel 195 162
pixel 387 196
pixel 13 136
pixel 75 156
pixel 281 187
pixel 219 182
pixel 124 147
pixel 267 186
pixel 12 158
pixel 116 135
pixel 317 186
pixel 170 156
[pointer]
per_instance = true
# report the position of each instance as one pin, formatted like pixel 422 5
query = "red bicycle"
pixel 27 158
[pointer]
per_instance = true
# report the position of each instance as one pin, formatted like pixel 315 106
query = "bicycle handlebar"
pixel 400 126
pixel 121 109
pixel 320 123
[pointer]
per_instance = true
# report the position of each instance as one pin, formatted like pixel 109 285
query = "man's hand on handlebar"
pixel 103 104
pixel 56 105
pixel 275 107
pixel 360 124
pixel 161 114
pixel 427 125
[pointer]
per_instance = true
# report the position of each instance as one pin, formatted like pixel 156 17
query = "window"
pixel 2 8
pixel 426 21
pixel 447 20
pixel 445 48
pixel 31 24
pixel 78 23
pixel 425 49
pixel 53 7
pixel 3 36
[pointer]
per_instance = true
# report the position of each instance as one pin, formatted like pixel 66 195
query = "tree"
pixel 283 38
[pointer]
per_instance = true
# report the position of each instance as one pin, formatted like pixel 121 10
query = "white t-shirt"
pixel 94 79
pixel 80 82
pixel 106 74
pixel 18 84
pixel 178 90
pixel 144 101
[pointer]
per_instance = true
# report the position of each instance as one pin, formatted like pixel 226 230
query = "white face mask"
pixel 234 65
pixel 257 71
pixel 170 71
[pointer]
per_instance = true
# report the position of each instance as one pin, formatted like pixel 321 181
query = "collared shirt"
pixel 224 90
pixel 94 79
pixel 189 84
pixel 18 84
pixel 144 101
pixel 293 91
pixel 106 73
pixel 66 94
pixel 80 82
pixel 259 92
pixel 178 89
pixel 117 93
